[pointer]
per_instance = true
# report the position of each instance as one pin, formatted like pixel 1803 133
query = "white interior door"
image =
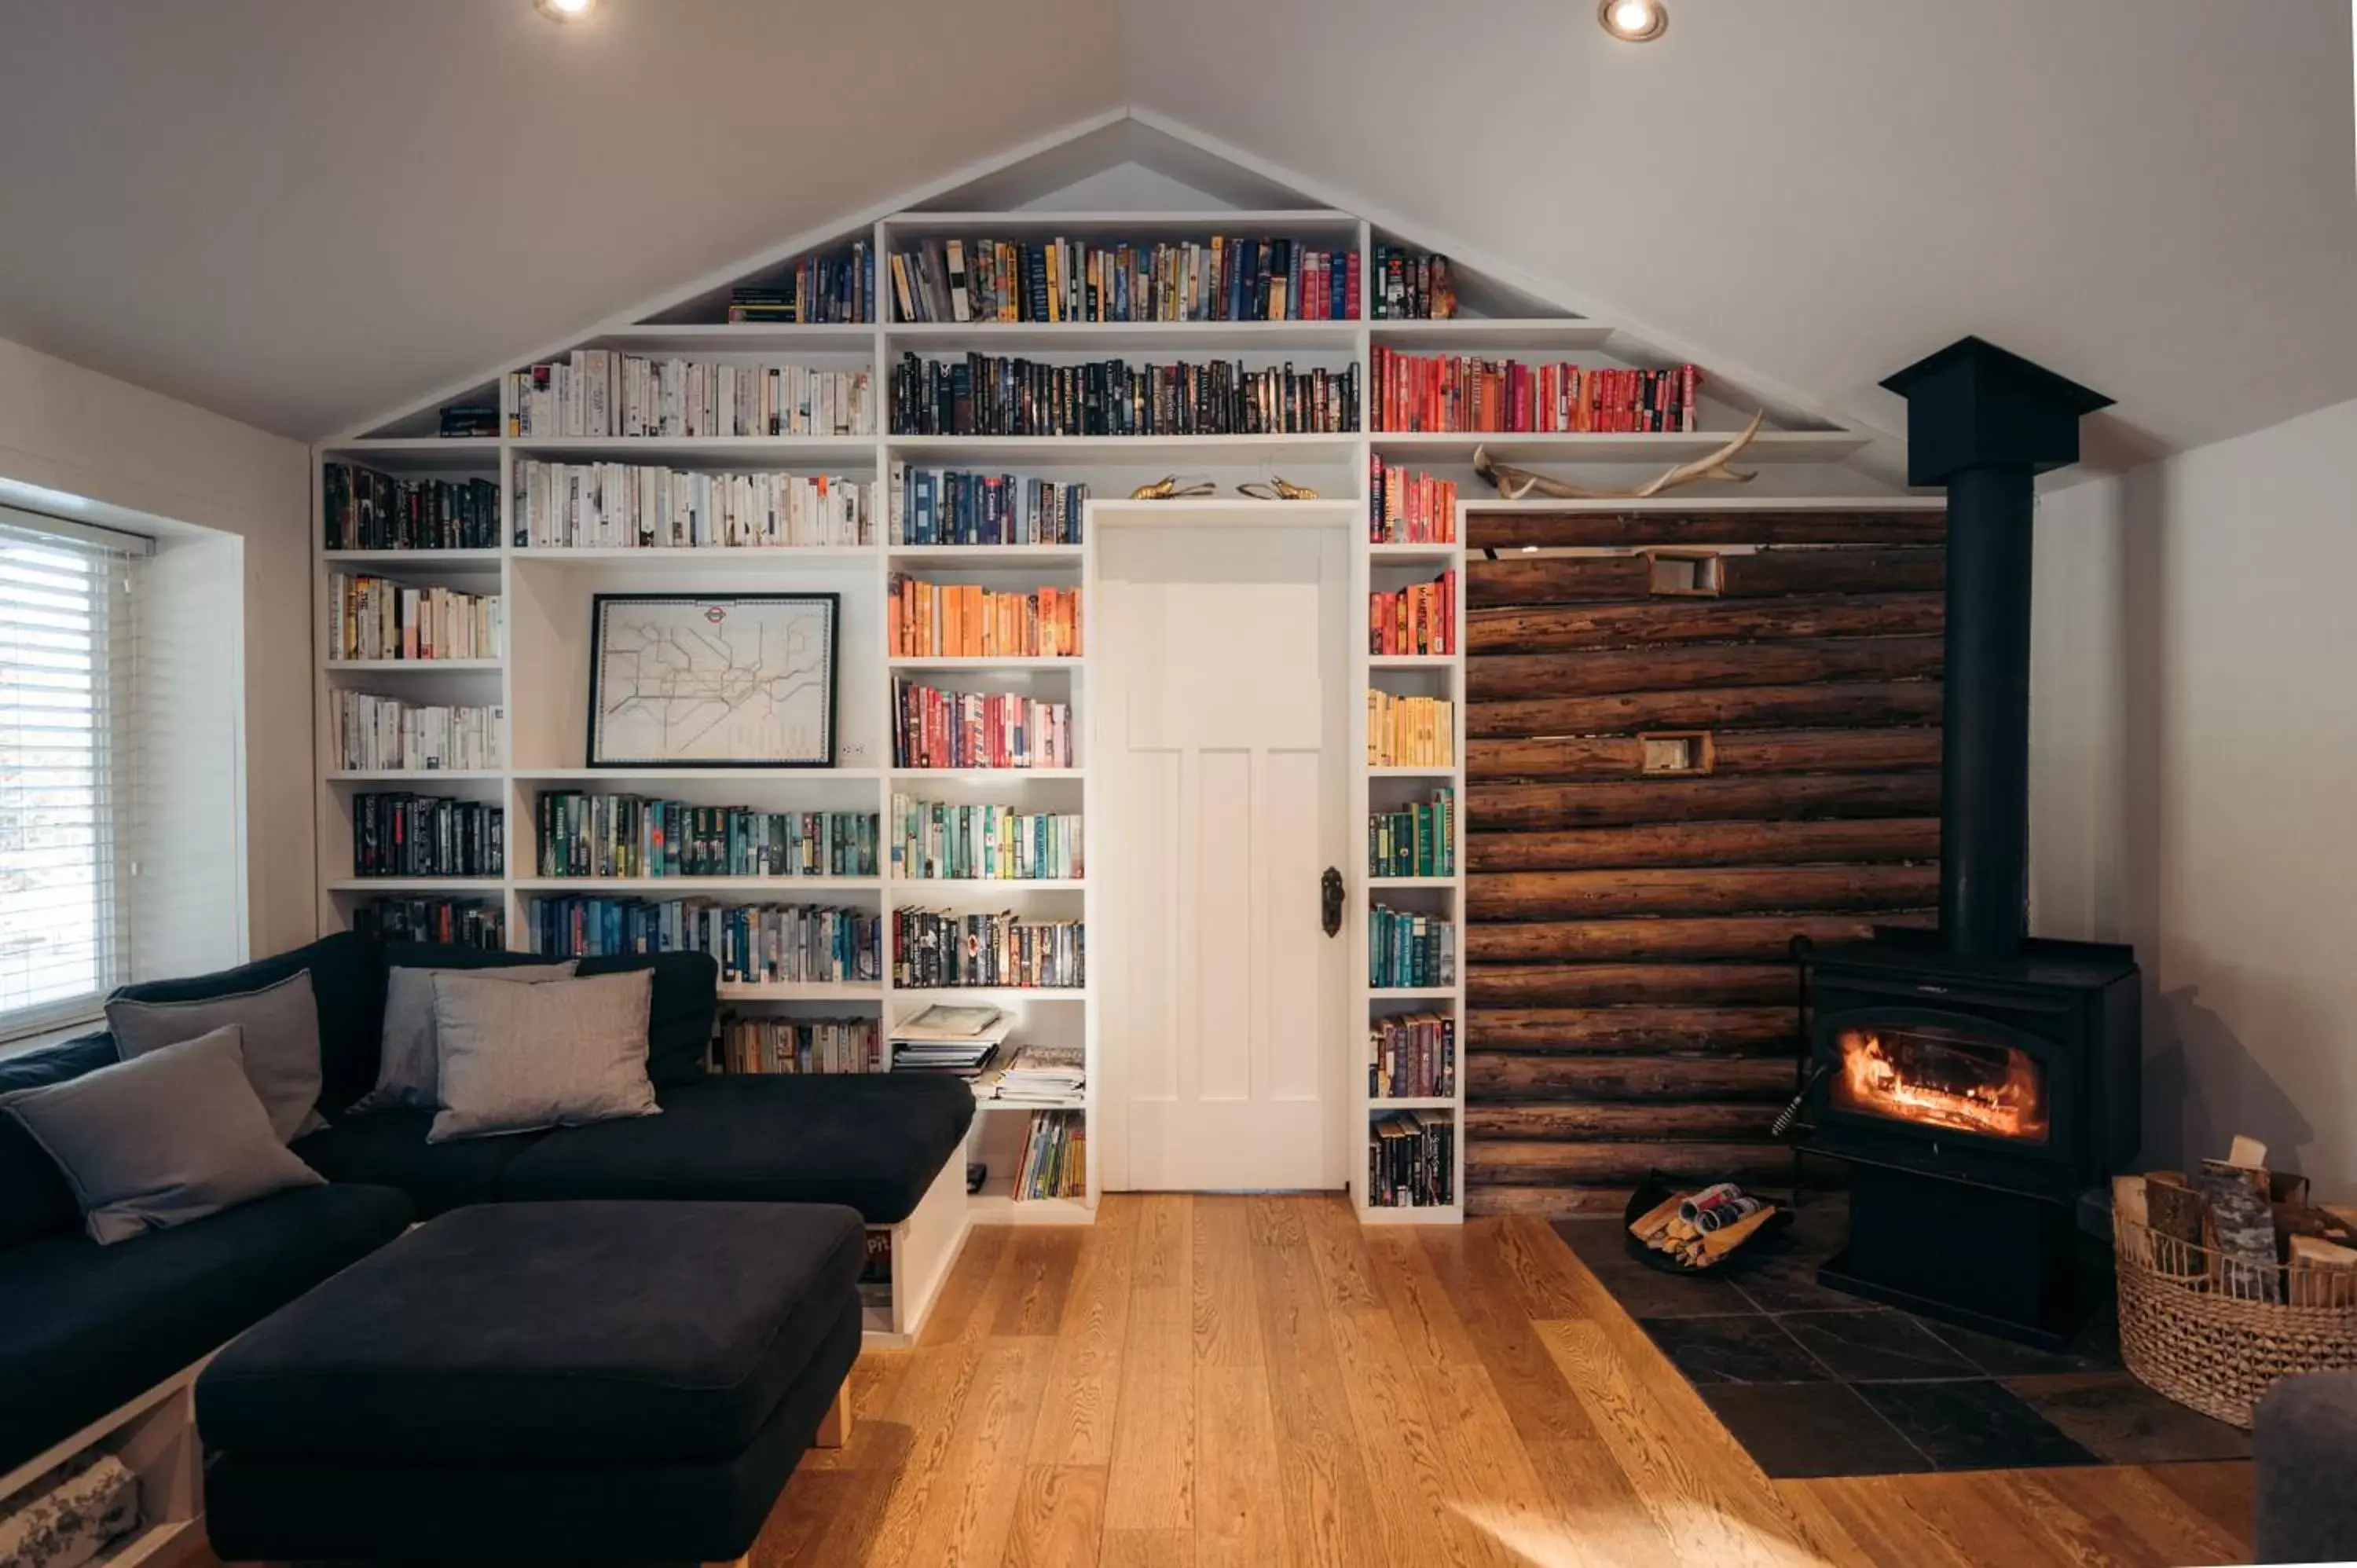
pixel 1222 664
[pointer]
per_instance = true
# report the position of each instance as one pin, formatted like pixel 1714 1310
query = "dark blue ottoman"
pixel 547 1382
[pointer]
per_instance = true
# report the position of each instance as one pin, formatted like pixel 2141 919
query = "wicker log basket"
pixel 2215 1334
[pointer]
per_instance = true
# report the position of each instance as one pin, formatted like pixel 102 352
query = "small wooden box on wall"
pixel 1683 575
pixel 1676 751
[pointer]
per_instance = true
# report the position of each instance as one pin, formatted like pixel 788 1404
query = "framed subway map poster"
pixel 712 680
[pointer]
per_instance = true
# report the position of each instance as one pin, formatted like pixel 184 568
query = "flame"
pixel 1970 1086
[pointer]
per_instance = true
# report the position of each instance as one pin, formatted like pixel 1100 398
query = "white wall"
pixel 71 431
pixel 2194 760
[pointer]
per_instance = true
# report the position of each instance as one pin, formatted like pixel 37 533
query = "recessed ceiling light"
pixel 566 10
pixel 1635 21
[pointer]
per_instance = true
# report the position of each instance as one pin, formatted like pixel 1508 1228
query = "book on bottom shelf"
pixel 1411 1160
pixel 1055 1157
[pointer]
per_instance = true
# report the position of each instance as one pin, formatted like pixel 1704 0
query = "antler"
pixel 1513 484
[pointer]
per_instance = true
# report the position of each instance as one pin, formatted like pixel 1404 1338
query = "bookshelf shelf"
pixel 539 688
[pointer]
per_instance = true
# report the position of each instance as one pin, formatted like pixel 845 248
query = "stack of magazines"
pixel 1044 1075
pixel 944 1038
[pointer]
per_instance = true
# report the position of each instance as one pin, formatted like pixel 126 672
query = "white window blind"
pixel 67 755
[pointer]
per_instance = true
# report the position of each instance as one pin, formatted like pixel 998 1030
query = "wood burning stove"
pixel 1977 1081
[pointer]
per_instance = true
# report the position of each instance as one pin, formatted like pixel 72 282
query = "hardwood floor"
pixel 1196 1383
pixel 1258 1381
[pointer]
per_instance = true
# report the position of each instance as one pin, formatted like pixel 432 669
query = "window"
pixel 66 666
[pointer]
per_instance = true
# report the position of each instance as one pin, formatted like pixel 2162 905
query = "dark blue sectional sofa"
pixel 84 1328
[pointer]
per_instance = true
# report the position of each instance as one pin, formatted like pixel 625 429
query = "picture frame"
pixel 686 679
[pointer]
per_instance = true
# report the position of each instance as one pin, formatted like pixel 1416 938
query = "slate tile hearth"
pixel 1814 1382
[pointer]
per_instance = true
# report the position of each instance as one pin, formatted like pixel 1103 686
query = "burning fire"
pixel 1970 1086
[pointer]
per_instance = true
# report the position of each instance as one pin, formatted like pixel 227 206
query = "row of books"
pixel 1221 279
pixel 1412 1057
pixel 633 505
pixel 1055 1157
pixel 966 620
pixel 938 948
pixel 376 618
pixel 427 836
pixel 934 840
pixel 937 728
pixel 769 1043
pixel 1410 731
pixel 755 944
pixel 581 834
pixel 1411 1160
pixel 1409 948
pixel 1463 392
pixel 1412 286
pixel 935 506
pixel 1415 839
pixel 363 510
pixel 468 422
pixel 456 923
pixel 1405 507
pixel 605 392
pixel 376 734
pixel 1418 619
pixel 821 290
pixel 989 394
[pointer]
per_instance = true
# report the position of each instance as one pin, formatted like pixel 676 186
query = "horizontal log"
pixel 1759 751
pixel 1548 1202
pixel 1702 525
pixel 1772 842
pixel 1699 890
pixel 1607 1123
pixel 1716 1031
pixel 1773 571
pixel 1858 705
pixel 1531 1163
pixel 1602 985
pixel 1557 579
pixel 1652 624
pixel 1637 941
pixel 1508 677
pixel 1522 1079
pixel 1493 807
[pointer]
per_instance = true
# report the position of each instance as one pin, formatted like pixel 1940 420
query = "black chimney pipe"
pixel 1984 423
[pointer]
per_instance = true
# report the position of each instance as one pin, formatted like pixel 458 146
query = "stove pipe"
pixel 1984 423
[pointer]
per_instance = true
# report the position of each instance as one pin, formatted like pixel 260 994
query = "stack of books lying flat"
pixel 962 1041
pixel 1047 1077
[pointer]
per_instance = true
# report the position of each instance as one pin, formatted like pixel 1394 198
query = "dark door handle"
pixel 1330 893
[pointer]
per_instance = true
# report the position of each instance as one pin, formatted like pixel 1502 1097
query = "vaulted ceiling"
pixel 302 212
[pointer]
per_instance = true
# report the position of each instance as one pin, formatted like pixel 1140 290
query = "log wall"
pixel 1667 781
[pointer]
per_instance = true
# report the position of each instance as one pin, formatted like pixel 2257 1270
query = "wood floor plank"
pixel 1075 1425
pixel 972 1510
pixel 1337 1241
pixel 2219 1490
pixel 957 1311
pixel 1226 1316
pixel 1322 1484
pixel 1417 1481
pixel 1235 1527
pixel 1147 1549
pixel 2125 1502
pixel 1151 1484
pixel 1040 1273
pixel 931 1404
pixel 1878 1516
pixel 1165 1221
pixel 1059 1517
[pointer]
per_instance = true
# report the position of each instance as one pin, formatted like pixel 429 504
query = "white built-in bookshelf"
pixel 539 680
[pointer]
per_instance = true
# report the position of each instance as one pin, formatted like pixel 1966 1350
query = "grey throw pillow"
pixel 161 1139
pixel 554 1053
pixel 280 1025
pixel 408 1074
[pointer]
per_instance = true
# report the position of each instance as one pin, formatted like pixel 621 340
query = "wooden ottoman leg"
pixel 833 1430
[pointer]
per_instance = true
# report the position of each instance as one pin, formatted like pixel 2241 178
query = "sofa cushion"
pixel 522 1333
pixel 680 1017
pixel 84 1328
pixel 347 987
pixel 35 1198
pixel 164 1139
pixel 557 1053
pixel 388 1148
pixel 873 1142
pixel 408 1067
pixel 278 1033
